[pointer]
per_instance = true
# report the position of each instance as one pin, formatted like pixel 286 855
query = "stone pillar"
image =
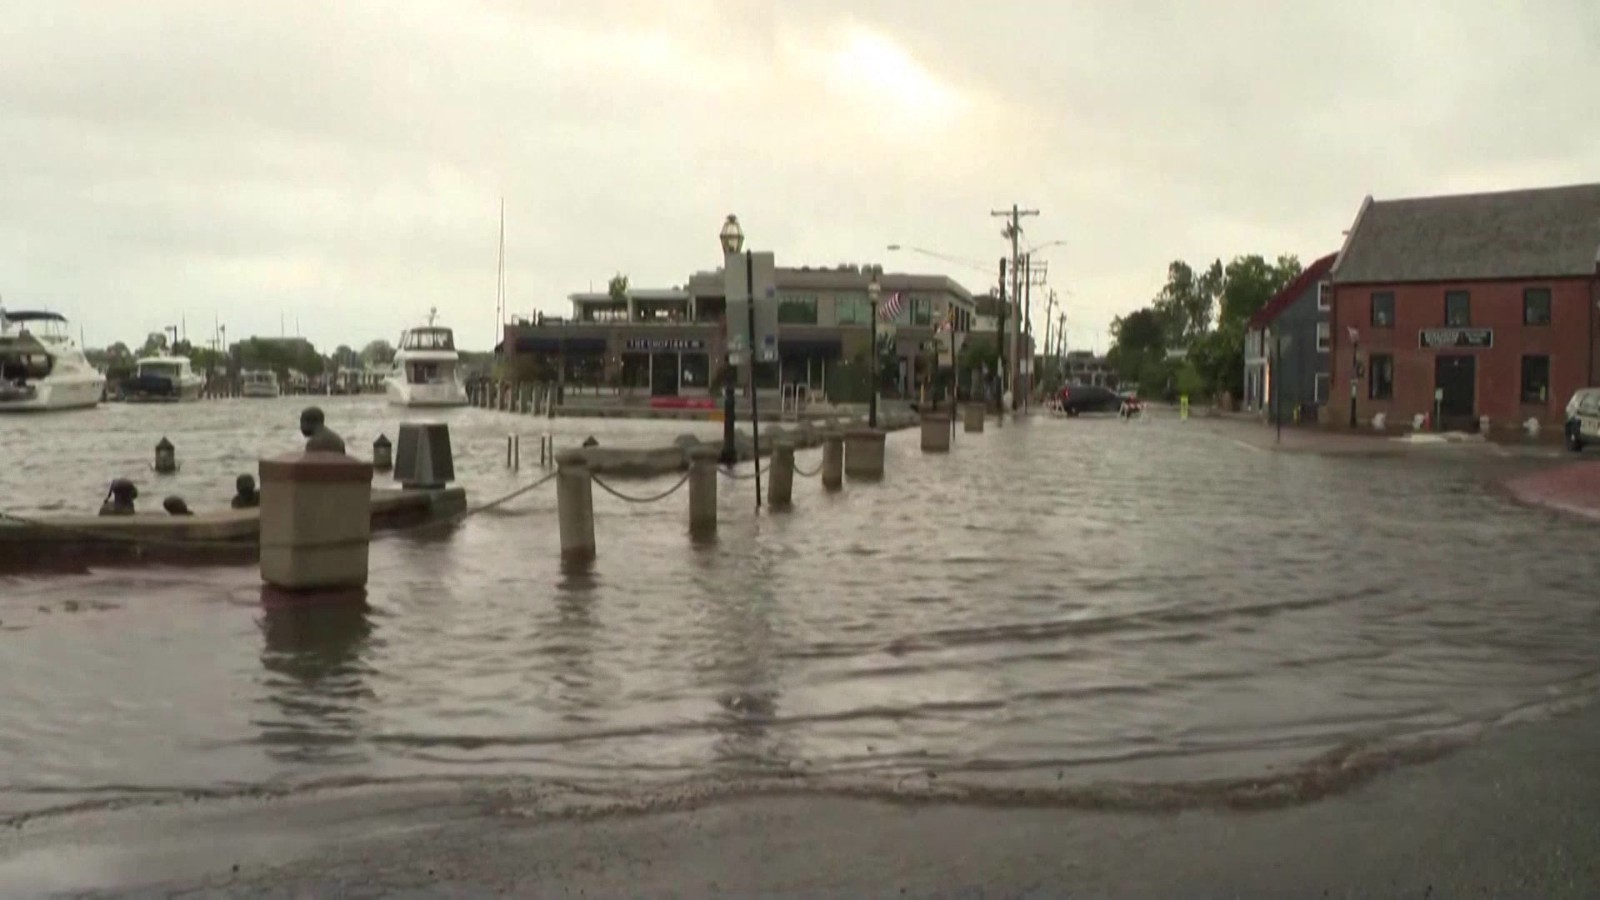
pixel 575 508
pixel 833 460
pixel 972 418
pixel 863 453
pixel 316 521
pixel 935 434
pixel 780 475
pixel 703 492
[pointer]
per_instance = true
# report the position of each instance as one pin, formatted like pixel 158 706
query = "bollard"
pixel 166 457
pixel 973 418
pixel 1531 426
pixel 703 492
pixel 833 460
pixel 780 476
pixel 513 452
pixel 547 449
pixel 863 453
pixel 935 435
pixel 575 508
pixel 1483 425
pixel 1183 407
pixel 382 454
pixel 316 520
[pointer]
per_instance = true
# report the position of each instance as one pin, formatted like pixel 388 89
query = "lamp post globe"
pixel 732 239
pixel 732 236
pixel 875 377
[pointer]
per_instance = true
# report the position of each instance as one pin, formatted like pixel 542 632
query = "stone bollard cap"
pixel 572 458
pixel 869 434
pixel 783 443
pixel 705 452
pixel 314 466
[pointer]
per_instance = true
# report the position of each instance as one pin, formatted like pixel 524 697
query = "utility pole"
pixel 999 334
pixel 1013 230
pixel 1027 329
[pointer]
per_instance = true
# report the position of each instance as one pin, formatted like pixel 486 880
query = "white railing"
pixel 794 398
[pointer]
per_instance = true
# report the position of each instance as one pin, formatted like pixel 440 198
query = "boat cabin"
pixel 430 338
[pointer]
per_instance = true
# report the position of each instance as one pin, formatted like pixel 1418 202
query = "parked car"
pixel 1583 418
pixel 1081 398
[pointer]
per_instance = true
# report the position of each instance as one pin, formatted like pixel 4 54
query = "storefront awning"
pixel 823 348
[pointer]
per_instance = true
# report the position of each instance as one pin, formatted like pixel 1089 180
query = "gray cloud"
pixel 343 163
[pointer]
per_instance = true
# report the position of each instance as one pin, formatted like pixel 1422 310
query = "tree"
pixel 346 358
pixel 618 287
pixel 155 342
pixel 378 353
pixel 1186 302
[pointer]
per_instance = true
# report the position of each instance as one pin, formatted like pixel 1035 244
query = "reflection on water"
pixel 1096 611
pixel 315 680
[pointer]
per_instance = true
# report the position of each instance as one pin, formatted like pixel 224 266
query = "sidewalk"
pixel 1255 435
pixel 1573 488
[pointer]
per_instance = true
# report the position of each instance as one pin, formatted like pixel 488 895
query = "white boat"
pixel 41 367
pixel 162 379
pixel 427 368
pixel 259 383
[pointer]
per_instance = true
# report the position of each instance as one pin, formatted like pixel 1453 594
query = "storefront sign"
pixel 1445 338
pixel 666 344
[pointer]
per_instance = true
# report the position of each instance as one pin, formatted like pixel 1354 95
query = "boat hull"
pixel 50 396
pixel 450 393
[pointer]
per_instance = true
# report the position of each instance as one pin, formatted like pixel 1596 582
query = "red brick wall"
pixel 1495 304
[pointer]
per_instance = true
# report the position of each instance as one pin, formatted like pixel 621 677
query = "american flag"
pixel 890 308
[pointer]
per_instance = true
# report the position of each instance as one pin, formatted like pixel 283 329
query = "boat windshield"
pixel 428 339
pixel 46 327
pixel 164 369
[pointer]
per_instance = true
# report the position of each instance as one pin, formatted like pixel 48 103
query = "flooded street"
pixel 1067 611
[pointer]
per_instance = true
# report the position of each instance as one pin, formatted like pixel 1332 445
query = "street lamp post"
pixel 873 290
pixel 732 238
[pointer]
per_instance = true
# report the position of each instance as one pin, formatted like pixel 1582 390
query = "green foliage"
pixel 1180 316
pixel 378 353
pixel 280 355
pixel 618 287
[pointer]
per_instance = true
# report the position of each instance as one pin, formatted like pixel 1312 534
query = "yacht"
pixel 427 368
pixel 162 379
pixel 259 383
pixel 42 367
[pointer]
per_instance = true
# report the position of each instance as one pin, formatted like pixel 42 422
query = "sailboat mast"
pixel 500 280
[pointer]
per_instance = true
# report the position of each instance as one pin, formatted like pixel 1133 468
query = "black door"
pixel 664 375
pixel 1456 377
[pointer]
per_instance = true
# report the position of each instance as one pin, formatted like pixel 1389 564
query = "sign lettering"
pixel 1469 338
pixel 666 343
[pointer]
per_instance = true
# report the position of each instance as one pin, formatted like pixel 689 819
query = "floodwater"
pixel 1081 612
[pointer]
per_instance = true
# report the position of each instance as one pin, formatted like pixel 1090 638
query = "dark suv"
pixel 1082 398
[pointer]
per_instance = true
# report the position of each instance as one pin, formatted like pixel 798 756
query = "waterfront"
pixel 1085 612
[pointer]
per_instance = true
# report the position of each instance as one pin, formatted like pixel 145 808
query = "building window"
pixel 1535 379
pixel 1380 376
pixel 797 309
pixel 1324 337
pixel 1324 383
pixel 1383 309
pixel 1457 309
pixel 1324 295
pixel 852 309
pixel 921 311
pixel 1536 306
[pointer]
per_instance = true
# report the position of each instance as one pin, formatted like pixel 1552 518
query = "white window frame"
pixel 1324 295
pixel 1324 337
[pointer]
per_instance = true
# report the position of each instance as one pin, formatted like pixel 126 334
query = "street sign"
pixel 736 285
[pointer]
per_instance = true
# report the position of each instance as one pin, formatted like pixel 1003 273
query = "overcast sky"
pixel 340 165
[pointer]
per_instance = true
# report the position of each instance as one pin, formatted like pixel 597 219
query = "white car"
pixel 1583 418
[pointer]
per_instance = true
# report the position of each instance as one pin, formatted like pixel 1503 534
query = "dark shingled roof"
pixel 1539 233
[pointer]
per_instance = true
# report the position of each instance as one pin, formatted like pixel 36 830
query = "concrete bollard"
pixel 1531 426
pixel 382 454
pixel 316 520
pixel 935 434
pixel 703 492
pixel 1380 421
pixel 863 454
pixel 166 457
pixel 1483 425
pixel 972 418
pixel 575 508
pixel 780 476
pixel 833 460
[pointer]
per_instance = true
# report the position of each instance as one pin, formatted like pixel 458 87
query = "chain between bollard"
pixel 729 474
pixel 811 474
pixel 467 513
pixel 624 497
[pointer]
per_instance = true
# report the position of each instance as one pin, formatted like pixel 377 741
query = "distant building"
pixel 1473 304
pixel 1301 313
pixel 671 342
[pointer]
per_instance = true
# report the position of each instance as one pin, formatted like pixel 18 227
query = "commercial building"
pixel 1287 348
pixel 671 342
pixel 1469 305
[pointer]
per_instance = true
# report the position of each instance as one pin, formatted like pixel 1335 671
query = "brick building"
pixel 1468 305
